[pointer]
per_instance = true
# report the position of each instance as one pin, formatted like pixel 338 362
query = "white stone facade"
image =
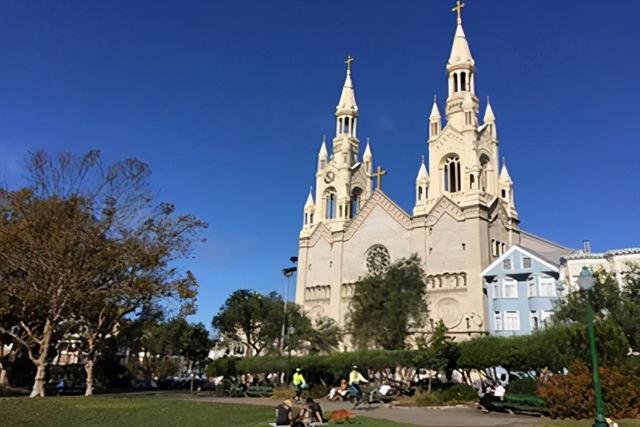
pixel 463 219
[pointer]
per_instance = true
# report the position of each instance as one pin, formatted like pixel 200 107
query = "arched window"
pixel 455 82
pixel 463 81
pixel 484 166
pixel 452 180
pixel 472 180
pixel 330 203
pixel 420 193
pixel 346 125
pixel 356 199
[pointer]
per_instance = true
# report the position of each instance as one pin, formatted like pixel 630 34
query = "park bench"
pixel 523 404
pixel 259 391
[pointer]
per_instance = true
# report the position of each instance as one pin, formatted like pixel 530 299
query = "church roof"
pixel 422 173
pixel 435 112
pixel 460 52
pixel 488 113
pixel 309 202
pixel 504 174
pixel 323 149
pixel 367 151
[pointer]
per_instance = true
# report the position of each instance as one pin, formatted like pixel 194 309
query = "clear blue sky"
pixel 228 101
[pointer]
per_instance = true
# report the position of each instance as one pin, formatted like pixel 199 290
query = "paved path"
pixel 421 416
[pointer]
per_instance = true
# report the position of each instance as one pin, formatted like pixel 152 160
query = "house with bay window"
pixel 521 289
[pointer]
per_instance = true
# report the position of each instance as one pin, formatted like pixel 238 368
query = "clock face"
pixel 330 176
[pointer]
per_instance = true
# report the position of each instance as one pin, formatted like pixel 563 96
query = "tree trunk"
pixel 38 384
pixel 4 380
pixel 88 368
pixel 41 361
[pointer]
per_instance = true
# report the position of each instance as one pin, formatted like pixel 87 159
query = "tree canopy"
pixel 388 306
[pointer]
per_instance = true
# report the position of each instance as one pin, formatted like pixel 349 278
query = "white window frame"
pixel 497 289
pixel 511 282
pixel 522 262
pixel 533 315
pixel 547 281
pixel 507 320
pixel 510 264
pixel 532 284
pixel 497 321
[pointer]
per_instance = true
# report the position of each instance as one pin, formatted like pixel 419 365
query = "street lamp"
pixel 586 281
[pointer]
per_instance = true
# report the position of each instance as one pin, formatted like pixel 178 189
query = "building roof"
pixel 580 254
pixel 512 249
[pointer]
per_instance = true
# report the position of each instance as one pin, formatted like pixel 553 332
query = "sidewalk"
pixel 421 416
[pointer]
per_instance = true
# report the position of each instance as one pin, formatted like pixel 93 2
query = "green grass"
pixel 128 410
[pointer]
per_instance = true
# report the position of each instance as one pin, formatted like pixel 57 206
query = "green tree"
pixel 251 318
pixel 438 353
pixel 81 248
pixel 616 310
pixel 386 307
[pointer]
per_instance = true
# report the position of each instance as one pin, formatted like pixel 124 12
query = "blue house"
pixel 521 289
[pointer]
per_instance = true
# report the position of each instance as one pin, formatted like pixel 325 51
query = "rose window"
pixel 378 259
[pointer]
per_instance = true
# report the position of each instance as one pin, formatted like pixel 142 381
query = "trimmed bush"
pixel 573 395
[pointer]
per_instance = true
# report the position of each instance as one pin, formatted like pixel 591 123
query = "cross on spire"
pixel 350 59
pixel 378 174
pixel 458 8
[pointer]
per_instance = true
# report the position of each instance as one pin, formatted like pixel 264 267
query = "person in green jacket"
pixel 299 383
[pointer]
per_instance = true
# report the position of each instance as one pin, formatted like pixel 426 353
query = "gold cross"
pixel 349 61
pixel 458 8
pixel 378 175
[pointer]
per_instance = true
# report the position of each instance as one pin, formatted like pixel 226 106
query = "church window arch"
pixel 472 181
pixel 451 175
pixel 463 81
pixel 355 202
pixel 330 203
pixel 455 82
pixel 420 193
pixel 346 125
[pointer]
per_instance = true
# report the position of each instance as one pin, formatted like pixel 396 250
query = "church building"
pixel 464 216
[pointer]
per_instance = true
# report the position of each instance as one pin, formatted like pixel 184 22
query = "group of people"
pixel 490 392
pixel 288 414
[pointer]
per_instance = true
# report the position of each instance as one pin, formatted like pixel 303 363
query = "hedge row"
pixel 553 348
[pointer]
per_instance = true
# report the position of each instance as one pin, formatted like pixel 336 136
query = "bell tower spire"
pixel 345 143
pixel 461 70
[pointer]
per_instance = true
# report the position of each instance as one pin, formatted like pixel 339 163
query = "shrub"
pixel 572 395
pixel 459 393
pixel 522 386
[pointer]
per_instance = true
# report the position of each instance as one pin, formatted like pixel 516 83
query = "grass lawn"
pixel 128 410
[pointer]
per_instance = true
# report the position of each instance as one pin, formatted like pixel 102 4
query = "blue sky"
pixel 228 102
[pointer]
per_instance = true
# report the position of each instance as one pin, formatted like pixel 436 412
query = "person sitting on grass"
pixel 283 413
pixel 340 392
pixel 299 383
pixel 315 411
